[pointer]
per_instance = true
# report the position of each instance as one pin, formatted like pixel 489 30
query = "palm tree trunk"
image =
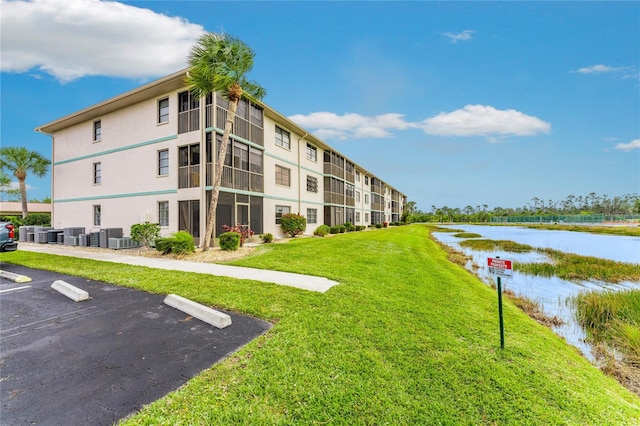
pixel 231 115
pixel 23 197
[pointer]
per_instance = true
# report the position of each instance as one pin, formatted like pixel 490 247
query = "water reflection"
pixel 550 293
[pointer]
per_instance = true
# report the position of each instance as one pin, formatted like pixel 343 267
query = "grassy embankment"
pixel 610 318
pixel 406 338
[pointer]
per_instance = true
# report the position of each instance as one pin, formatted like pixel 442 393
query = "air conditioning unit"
pixel 122 243
pixel 108 233
pixel 84 240
pixel 71 241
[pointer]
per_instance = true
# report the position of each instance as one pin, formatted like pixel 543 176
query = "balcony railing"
pixel 237 179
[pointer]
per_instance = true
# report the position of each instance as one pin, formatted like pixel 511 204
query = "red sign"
pixel 500 266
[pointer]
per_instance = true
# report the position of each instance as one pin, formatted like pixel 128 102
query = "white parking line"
pixel 14 289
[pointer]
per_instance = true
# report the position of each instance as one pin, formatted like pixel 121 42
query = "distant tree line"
pixel 592 204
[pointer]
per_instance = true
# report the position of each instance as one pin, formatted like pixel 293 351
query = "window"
pixel 357 217
pixel 189 166
pixel 97 173
pixel 312 215
pixel 366 198
pixel 357 196
pixel 312 184
pixel 366 180
pixel 188 112
pixel 366 218
pixel 97 215
pixel 357 176
pixel 349 189
pixel 312 153
pixel 282 138
pixel 163 110
pixel 97 131
pixel 281 210
pixel 163 162
pixel 283 176
pixel 163 213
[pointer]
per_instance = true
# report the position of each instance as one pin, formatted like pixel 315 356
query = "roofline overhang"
pixel 155 88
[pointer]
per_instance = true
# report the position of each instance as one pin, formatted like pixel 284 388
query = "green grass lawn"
pixel 406 338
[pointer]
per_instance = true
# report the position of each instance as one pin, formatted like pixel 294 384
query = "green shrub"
pixel 334 230
pixel 266 238
pixel 244 231
pixel 145 233
pixel 349 226
pixel 179 243
pixel 293 224
pixel 342 229
pixel 37 219
pixel 322 230
pixel 16 220
pixel 230 241
pixel 360 227
pixel 378 225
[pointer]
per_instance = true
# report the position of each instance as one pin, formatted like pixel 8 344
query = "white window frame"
pixel 280 134
pixel 312 218
pixel 280 211
pixel 163 213
pixel 163 111
pixel 97 215
pixel 97 173
pixel 314 184
pixel 163 163
pixel 97 130
pixel 312 153
pixel 281 172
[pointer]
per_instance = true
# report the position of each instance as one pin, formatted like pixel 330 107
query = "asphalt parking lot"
pixel 100 360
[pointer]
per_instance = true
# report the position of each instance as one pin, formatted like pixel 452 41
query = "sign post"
pixel 500 267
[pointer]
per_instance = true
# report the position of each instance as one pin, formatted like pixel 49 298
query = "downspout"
pixel 39 130
pixel 300 174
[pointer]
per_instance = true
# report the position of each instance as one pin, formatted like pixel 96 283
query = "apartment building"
pixel 149 154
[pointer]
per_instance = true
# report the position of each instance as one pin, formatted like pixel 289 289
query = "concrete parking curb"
pixel 74 293
pixel 196 310
pixel 15 277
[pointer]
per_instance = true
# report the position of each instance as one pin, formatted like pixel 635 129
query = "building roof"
pixel 14 208
pixel 158 87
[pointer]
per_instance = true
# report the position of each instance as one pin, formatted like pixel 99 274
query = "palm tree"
pixel 220 63
pixel 19 160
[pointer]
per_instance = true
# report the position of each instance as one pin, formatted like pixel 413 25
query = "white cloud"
pixel 14 186
pixel 472 120
pixel 634 144
pixel 601 69
pixel 74 38
pixel 481 120
pixel 595 69
pixel 465 35
pixel 328 125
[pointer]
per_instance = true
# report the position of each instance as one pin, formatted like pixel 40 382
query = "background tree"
pixel 5 187
pixel 220 63
pixel 19 160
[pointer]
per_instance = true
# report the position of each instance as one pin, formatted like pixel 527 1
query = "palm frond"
pixel 217 61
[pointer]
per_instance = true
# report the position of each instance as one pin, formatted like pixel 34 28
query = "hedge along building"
pixel 149 154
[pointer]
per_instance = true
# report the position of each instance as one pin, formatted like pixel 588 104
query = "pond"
pixel 552 293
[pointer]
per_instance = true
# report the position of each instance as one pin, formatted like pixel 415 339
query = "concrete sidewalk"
pixel 305 282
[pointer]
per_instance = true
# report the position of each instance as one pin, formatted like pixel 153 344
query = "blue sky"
pixel 452 103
